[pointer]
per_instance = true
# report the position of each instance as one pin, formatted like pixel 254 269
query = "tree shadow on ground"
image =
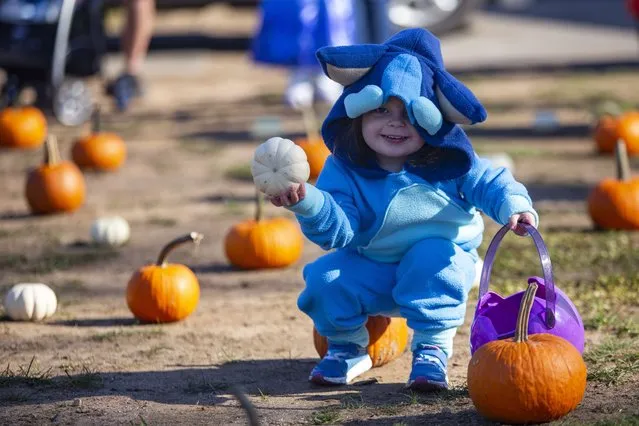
pixel 214 385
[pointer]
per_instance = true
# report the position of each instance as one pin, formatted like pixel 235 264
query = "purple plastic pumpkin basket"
pixel 552 311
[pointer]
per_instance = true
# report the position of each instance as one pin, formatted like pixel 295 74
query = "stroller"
pixel 51 45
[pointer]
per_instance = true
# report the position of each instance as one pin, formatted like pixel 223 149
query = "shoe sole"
pixel 360 367
pixel 422 384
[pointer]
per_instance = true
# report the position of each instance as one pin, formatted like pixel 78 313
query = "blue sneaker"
pixel 124 89
pixel 341 364
pixel 429 369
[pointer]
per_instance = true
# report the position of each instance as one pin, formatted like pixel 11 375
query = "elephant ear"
pixel 456 101
pixel 347 64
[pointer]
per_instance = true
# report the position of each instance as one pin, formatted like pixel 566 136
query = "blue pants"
pixel 429 287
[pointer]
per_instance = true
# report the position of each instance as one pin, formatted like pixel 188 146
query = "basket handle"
pixel 546 266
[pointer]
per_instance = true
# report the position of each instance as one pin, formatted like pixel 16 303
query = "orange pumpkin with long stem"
pixel 102 151
pixel 614 203
pixel 22 127
pixel 526 379
pixel 263 243
pixel 313 145
pixel 387 339
pixel 55 186
pixel 164 292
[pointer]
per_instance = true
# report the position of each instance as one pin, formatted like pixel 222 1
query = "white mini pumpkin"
pixel 277 163
pixel 110 231
pixel 30 302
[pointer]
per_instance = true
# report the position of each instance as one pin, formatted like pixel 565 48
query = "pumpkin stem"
pixel 51 152
pixel 259 202
pixel 521 329
pixel 95 120
pixel 194 237
pixel 310 124
pixel 621 157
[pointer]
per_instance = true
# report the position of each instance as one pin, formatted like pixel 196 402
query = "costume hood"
pixel 410 67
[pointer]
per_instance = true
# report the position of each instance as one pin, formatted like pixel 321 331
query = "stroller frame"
pixel 70 98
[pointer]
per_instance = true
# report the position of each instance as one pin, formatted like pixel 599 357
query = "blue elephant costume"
pixel 405 242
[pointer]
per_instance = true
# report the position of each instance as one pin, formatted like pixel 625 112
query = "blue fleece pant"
pixel 429 287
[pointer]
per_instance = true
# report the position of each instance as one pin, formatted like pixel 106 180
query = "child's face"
pixel 388 131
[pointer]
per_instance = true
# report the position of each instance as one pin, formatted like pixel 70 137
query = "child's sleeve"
pixel 327 214
pixel 495 192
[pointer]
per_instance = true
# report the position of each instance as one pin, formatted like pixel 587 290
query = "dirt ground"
pixel 92 363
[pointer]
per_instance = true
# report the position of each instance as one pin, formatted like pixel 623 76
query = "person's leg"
pixel 135 39
pixel 433 281
pixel 137 33
pixel 342 289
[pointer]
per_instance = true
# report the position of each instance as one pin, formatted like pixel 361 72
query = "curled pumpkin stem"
pixel 51 151
pixel 621 157
pixel 95 120
pixel 523 318
pixel 259 202
pixel 194 237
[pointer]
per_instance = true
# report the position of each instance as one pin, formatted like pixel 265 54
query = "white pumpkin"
pixel 30 302
pixel 110 231
pixel 277 164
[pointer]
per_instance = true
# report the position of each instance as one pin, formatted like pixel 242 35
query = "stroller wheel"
pixel 72 103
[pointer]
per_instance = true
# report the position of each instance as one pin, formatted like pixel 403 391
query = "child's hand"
pixel 295 193
pixel 516 219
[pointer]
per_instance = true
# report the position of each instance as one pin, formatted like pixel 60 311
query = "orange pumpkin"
pixel 526 379
pixel 164 292
pixel 55 186
pixel 614 203
pixel 22 127
pixel 316 154
pixel 628 130
pixel 605 134
pixel 103 151
pixel 387 339
pixel 610 129
pixel 263 243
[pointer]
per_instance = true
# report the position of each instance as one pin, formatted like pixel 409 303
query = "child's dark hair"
pixel 352 144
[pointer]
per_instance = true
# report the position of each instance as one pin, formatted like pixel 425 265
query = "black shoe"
pixel 124 89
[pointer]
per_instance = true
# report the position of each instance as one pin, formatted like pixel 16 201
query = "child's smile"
pixel 390 134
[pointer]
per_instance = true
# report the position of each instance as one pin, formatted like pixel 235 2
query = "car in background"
pixel 439 16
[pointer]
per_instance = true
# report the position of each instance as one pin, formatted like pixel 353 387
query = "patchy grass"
pixel 82 377
pixel 51 259
pixel 325 416
pixel 153 351
pixel 597 270
pixel 200 145
pixel 30 375
pixel 240 172
pixel 202 385
pixel 613 361
pixel 114 335
pixel 162 221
